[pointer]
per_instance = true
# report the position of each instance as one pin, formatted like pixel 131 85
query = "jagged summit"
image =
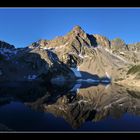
pixel 77 30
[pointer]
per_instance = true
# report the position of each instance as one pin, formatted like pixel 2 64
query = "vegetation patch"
pixel 135 69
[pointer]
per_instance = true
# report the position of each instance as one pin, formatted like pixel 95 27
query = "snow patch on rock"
pixel 116 55
pixel 61 46
pixel 80 55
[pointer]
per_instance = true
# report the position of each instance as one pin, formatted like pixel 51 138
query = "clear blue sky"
pixel 22 26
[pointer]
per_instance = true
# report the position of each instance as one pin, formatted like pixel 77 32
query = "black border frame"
pixel 70 3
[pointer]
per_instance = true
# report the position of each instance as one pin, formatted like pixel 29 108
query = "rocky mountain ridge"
pixel 75 55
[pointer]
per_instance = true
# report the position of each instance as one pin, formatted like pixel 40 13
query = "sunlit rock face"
pixel 94 103
pixel 102 41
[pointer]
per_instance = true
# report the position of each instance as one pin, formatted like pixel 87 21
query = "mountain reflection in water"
pixel 73 107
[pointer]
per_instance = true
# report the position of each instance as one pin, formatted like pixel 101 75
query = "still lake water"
pixel 77 107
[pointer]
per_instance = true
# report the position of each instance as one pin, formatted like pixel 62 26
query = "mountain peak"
pixel 77 29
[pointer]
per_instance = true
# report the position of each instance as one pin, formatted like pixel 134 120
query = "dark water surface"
pixel 76 107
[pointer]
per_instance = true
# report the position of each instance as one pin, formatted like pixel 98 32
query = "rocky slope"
pixel 25 64
pixel 133 77
pixel 93 54
pixel 75 55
